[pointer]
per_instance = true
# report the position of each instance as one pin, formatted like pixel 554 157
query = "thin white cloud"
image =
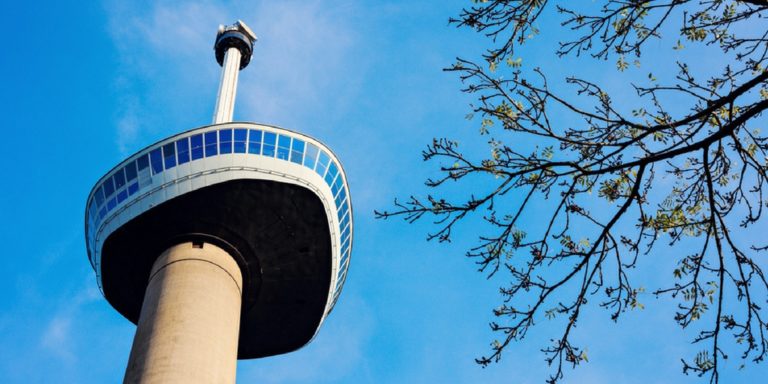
pixel 127 128
pixel 58 337
pixel 303 63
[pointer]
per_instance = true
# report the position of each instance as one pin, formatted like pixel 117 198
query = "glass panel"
pixel 341 196
pixel 169 153
pixel 240 136
pixel 345 234
pixel 337 185
pixel 130 171
pixel 297 151
pixel 156 159
pixel 119 178
pixel 322 163
pixel 99 196
pixel 344 222
pixel 182 148
pixel 109 188
pixel 144 174
pixel 102 212
pixel 283 147
pixel 133 188
pixel 346 244
pixel 111 204
pixel 332 171
pixel 211 144
pixel 309 159
pixel 343 209
pixel 92 209
pixel 269 144
pixel 344 258
pixel 122 196
pixel 196 142
pixel 225 141
pixel 142 162
pixel 284 141
pixel 254 142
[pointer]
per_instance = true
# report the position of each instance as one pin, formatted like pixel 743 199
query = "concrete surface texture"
pixel 190 318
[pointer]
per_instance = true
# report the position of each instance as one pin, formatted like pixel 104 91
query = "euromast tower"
pixel 229 241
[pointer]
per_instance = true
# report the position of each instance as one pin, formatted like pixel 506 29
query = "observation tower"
pixel 229 241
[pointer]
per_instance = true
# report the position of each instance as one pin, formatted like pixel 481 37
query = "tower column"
pixel 225 102
pixel 190 319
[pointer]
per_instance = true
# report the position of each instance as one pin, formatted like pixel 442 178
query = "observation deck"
pixel 276 200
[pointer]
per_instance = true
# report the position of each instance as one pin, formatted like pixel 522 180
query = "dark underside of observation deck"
pixel 277 232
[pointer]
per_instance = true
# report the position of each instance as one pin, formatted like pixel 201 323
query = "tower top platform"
pixel 238 36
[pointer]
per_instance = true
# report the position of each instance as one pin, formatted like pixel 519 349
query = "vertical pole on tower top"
pixel 234 47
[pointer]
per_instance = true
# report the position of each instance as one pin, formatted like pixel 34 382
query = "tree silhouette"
pixel 684 166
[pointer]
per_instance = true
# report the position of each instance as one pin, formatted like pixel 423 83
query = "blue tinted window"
pixel 92 209
pixel 341 196
pixel 122 196
pixel 169 153
pixel 196 143
pixel 99 196
pixel 109 188
pixel 111 203
pixel 211 144
pixel 284 141
pixel 119 178
pixel 182 148
pixel 240 136
pixel 322 163
pixel 102 212
pixel 254 142
pixel 346 244
pixel 142 162
pixel 297 151
pixel 133 188
pixel 337 185
pixel 283 147
pixel 344 222
pixel 343 209
pixel 344 258
pixel 332 171
pixel 345 234
pixel 225 141
pixel 269 144
pixel 344 255
pixel 156 159
pixel 309 159
pixel 130 171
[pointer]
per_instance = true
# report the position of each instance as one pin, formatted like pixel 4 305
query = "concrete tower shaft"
pixel 190 318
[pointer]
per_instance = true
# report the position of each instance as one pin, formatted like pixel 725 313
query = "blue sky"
pixel 85 84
